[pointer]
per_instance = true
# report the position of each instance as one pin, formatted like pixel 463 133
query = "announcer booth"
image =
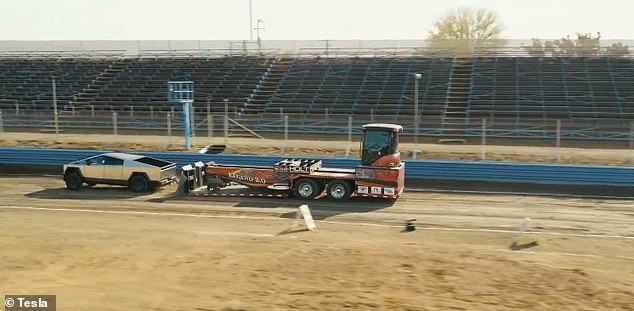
pixel 182 92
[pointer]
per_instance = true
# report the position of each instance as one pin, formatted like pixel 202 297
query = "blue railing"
pixel 426 170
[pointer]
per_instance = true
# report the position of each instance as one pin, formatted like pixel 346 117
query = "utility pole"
pixel 258 28
pixel 251 20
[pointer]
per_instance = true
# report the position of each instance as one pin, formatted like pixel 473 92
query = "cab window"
pixel 96 161
pixel 112 161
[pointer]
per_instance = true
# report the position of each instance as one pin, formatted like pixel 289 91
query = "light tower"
pixel 182 92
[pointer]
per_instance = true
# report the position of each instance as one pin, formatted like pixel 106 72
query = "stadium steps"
pixel 269 86
pixel 94 87
pixel 454 117
pixel 260 83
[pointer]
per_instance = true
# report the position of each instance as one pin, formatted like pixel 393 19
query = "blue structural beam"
pixel 426 170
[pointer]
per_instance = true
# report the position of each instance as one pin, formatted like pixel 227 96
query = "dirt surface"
pixel 106 248
pixel 318 147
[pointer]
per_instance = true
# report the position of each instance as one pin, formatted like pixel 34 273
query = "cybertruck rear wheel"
pixel 139 183
pixel 73 181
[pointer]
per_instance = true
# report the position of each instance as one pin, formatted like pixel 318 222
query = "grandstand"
pixel 141 82
pixel 589 93
pixel 28 80
pixel 520 96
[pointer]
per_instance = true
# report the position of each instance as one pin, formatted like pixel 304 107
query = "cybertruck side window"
pixel 96 161
pixel 113 161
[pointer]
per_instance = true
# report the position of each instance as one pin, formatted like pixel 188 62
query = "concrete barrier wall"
pixel 415 169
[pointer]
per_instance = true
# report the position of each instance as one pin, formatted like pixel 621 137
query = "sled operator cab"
pixel 380 145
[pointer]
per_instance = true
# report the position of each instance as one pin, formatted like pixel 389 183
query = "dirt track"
pixel 107 249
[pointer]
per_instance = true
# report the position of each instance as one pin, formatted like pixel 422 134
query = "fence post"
pixel 114 124
pixel 285 134
pixel 169 128
pixel 1 122
pixel 558 139
pixel 92 111
pixel 56 125
pixel 226 125
pixel 631 134
pixel 152 113
pixel 632 141
pixel 131 112
pixel 349 136
pixel 483 152
pixel 210 123
pixel 286 128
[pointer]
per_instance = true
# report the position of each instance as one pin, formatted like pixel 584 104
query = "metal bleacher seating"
pixel 142 81
pixel 377 87
pixel 526 94
pixel 372 87
pixel 28 81
pixel 520 96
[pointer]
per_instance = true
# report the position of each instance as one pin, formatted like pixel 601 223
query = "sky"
pixel 299 19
